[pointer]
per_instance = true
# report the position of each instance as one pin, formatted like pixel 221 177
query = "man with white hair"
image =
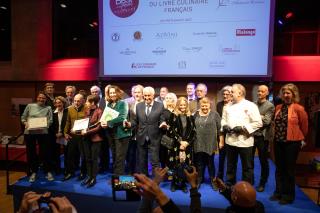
pixel 95 90
pixel 70 93
pixel 239 120
pixel 201 92
pixel 148 121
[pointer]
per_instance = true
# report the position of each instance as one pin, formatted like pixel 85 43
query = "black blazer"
pixel 56 121
pixel 148 125
pixel 220 106
pixel 188 134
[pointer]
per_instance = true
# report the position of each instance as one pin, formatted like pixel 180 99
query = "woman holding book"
pixel 118 136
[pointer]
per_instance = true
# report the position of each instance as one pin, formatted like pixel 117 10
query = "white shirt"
pixel 246 114
pixel 150 107
pixel 60 114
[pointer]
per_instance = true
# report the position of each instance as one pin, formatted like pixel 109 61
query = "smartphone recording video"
pixel 43 204
pixel 122 188
pixel 124 182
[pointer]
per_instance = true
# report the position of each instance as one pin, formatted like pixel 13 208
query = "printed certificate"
pixel 37 123
pixel 80 124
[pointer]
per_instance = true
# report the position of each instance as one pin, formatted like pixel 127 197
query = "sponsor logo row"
pixel 181 65
pixel 137 35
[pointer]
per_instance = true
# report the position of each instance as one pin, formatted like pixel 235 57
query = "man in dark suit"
pixel 227 99
pixel 137 97
pixel 148 121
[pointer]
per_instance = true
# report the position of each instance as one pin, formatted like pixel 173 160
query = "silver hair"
pixel 148 90
pixel 95 87
pixel 226 88
pixel 241 88
pixel 204 86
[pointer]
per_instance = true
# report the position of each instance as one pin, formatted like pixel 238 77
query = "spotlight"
pixel 3 7
pixel 289 15
pixel 280 22
pixel 63 5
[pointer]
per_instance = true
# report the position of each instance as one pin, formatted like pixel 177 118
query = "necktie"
pixel 148 109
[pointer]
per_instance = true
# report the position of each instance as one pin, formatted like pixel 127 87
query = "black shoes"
pixel 82 176
pixel 275 197
pixel 285 201
pixel 173 188
pixel 260 188
pixel 281 199
pixel 85 181
pixel 68 176
pixel 91 183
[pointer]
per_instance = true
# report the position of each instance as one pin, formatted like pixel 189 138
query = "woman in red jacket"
pixel 291 128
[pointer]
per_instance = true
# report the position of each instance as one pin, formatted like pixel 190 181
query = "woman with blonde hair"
pixel 181 155
pixel 291 128
pixel 208 124
pixel 169 104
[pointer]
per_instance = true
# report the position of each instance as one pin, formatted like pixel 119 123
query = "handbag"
pixel 167 142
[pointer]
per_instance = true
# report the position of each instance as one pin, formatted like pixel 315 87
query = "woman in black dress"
pixel 181 155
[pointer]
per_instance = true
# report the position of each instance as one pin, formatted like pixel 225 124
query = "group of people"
pixel 168 132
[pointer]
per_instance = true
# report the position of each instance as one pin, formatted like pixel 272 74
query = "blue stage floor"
pixel 99 198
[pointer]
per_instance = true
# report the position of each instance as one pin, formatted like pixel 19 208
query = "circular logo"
pixel 115 37
pixel 137 35
pixel 124 8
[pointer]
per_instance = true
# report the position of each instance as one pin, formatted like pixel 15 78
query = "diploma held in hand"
pixel 108 114
pixel 80 124
pixel 37 123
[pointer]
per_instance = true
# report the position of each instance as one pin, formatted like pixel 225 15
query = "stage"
pixel 99 198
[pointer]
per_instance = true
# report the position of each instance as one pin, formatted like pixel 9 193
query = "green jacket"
pixel 117 123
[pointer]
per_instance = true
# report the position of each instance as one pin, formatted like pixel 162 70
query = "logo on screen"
pixel 128 51
pixel 223 3
pixel 217 64
pixel 245 32
pixel 137 35
pixel 182 64
pixel 166 35
pixel 149 65
pixel 115 37
pixel 207 34
pixel 159 51
pixel 194 49
pixel 123 8
pixel 231 50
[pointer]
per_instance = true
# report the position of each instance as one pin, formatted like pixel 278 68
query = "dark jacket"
pixel 117 123
pixel 55 123
pixel 148 125
pixel 94 132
